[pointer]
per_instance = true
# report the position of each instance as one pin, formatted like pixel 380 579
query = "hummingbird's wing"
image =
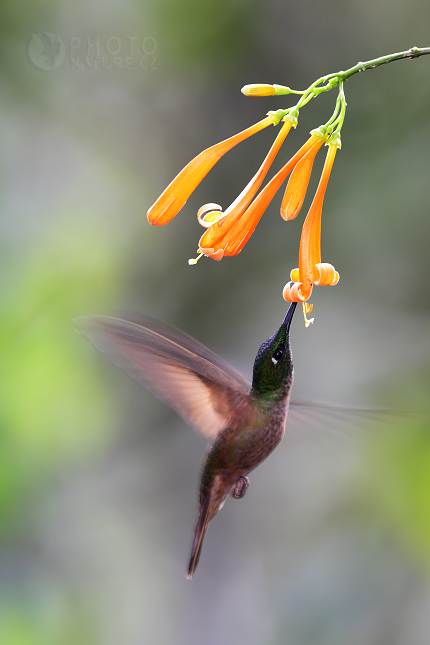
pixel 202 388
pixel 316 419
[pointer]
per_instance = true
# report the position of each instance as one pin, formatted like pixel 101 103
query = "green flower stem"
pixel 332 80
pixel 281 89
pixel 334 117
pixel 413 52
pixel 341 98
pixel 327 83
pixel 313 90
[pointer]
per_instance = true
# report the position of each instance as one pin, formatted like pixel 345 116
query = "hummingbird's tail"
pixel 199 533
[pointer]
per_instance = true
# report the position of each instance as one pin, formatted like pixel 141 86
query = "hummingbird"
pixel 243 421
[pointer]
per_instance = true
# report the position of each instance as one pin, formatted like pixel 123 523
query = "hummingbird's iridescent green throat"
pixel 243 423
pixel 273 364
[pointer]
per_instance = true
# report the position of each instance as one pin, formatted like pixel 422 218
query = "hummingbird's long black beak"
pixel 288 318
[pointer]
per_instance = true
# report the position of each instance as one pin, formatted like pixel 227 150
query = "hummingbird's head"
pixel 273 365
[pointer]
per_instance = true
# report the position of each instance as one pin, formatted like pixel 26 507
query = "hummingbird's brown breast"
pixel 252 434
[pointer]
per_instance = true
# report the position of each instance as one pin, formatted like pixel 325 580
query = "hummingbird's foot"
pixel 241 487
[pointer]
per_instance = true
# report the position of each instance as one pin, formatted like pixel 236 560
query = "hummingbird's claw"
pixel 241 487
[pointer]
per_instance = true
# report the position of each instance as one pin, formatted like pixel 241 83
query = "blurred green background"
pixel 102 103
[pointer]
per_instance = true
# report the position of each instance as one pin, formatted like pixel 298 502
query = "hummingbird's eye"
pixel 278 355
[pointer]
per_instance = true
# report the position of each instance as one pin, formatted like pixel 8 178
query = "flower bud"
pixel 258 89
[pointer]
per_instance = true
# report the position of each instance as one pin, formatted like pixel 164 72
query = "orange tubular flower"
pixel 177 192
pixel 229 235
pixel 226 220
pixel 311 271
pixel 297 186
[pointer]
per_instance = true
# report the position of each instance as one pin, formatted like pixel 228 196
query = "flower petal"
pixel 209 214
pixel 177 192
pixel 235 210
pixel 295 292
pixel 327 274
pixel 310 242
pixel 232 232
pixel 298 182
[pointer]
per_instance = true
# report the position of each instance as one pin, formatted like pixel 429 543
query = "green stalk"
pixel 413 52
pixel 332 80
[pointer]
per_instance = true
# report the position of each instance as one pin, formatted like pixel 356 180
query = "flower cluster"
pixel 228 231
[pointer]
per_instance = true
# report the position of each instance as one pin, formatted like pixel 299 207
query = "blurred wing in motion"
pixel 313 419
pixel 197 384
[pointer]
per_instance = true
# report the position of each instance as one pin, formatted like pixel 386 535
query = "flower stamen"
pixel 307 308
pixel 192 261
